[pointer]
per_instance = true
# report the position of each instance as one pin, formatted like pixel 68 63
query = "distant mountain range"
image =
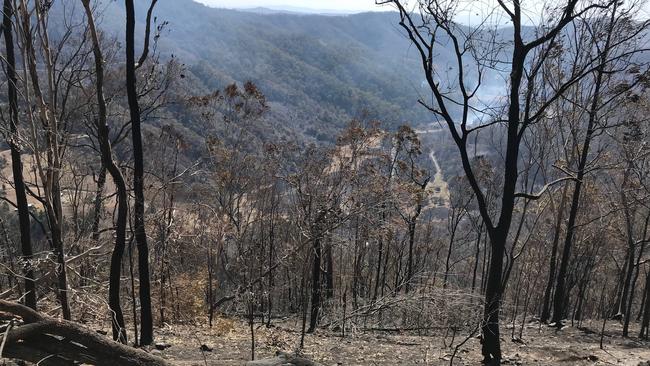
pixel 286 9
pixel 317 71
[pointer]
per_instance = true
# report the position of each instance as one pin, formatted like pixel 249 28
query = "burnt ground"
pixel 540 345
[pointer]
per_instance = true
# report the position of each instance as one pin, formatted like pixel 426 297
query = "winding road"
pixel 438 186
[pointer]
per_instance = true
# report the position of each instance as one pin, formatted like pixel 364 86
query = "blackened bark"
pixel 546 308
pixel 412 222
pixel 380 253
pixel 477 255
pixel 643 332
pixel 16 160
pixel 643 300
pixel 631 248
pixel 628 311
pixel 97 204
pixel 559 307
pixel 315 287
pixel 146 318
pixel 51 174
pixel 329 270
pixel 271 262
pixel 449 250
pixel 491 346
pixel 117 317
pixel 409 263
pixel 62 281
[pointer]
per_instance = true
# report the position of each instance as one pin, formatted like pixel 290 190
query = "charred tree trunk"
pixel 449 251
pixel 117 317
pixel 329 270
pixel 315 286
pixel 546 308
pixel 380 252
pixel 62 279
pixel 356 265
pixel 409 259
pixel 637 265
pixel 412 222
pixel 631 247
pixel 271 260
pixel 645 321
pixel 477 256
pixel 97 204
pixel 559 300
pixel 146 318
pixel 491 347
pixel 49 168
pixel 643 300
pixel 16 160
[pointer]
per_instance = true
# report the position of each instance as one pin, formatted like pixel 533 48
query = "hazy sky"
pixel 469 10
pixel 353 5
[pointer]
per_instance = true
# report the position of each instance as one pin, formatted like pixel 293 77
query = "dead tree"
pixel 632 196
pixel 615 43
pixel 415 182
pixel 459 202
pixel 117 317
pixel 16 160
pixel 45 124
pixel 454 103
pixel 644 332
pixel 318 193
pixel 146 318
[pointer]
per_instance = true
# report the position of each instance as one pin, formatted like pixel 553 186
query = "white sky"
pixel 468 12
pixel 348 5
pixel 471 7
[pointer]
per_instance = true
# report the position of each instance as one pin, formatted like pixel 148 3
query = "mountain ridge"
pixel 326 70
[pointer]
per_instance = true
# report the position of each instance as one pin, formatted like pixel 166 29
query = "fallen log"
pixel 48 341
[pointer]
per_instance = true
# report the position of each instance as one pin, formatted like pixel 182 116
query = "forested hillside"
pixel 318 71
pixel 187 185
